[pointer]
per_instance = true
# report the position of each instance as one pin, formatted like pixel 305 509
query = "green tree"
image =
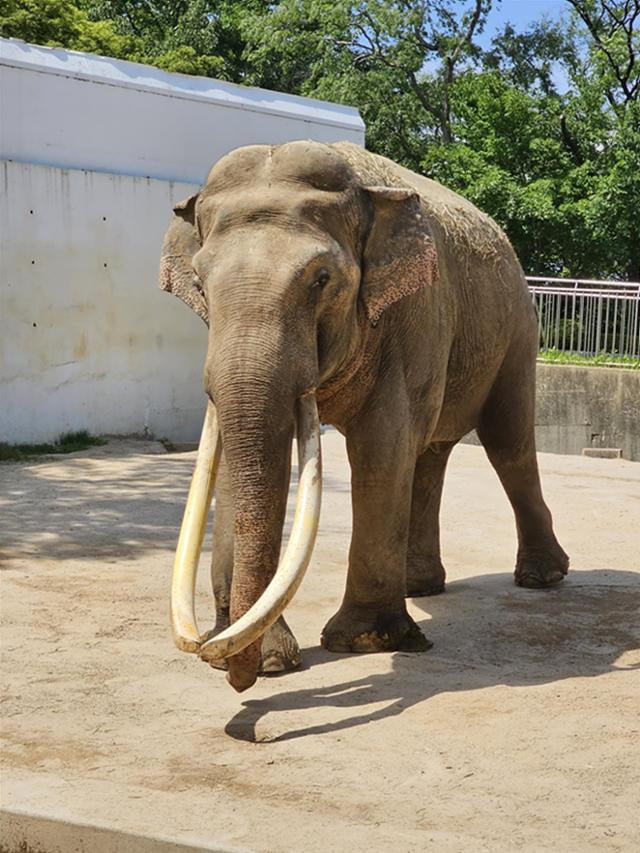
pixel 395 60
pixel 530 59
pixel 190 36
pixel 613 46
pixel 559 171
pixel 603 116
pixel 611 210
pixel 60 23
pixel 508 159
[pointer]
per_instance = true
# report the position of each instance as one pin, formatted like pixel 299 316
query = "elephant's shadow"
pixel 486 632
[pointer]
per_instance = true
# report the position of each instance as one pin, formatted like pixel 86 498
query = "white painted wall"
pixel 79 111
pixel 88 340
pixel 95 152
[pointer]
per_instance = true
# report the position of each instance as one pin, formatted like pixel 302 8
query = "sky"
pixel 521 13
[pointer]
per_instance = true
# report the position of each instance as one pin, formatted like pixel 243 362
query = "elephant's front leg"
pixel 373 615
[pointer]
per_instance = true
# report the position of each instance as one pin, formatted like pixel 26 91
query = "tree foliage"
pixel 395 59
pixel 189 36
pixel 60 23
pixel 614 45
pixel 540 127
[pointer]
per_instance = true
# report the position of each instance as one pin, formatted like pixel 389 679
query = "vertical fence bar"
pixel 537 301
pixel 581 327
pixel 587 316
pixel 636 339
pixel 623 328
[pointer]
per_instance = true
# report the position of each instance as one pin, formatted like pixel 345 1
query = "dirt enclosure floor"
pixel 519 730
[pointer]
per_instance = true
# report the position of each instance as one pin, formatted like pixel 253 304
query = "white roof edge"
pixel 147 78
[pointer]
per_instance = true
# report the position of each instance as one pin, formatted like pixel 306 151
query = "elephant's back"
pixel 480 278
pixel 460 223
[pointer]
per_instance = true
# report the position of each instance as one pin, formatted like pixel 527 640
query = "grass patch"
pixel 603 359
pixel 69 442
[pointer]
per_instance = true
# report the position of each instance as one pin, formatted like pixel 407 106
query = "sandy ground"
pixel 519 730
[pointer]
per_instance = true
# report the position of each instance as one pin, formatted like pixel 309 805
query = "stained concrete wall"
pixel 88 340
pixel 94 153
pixel 580 407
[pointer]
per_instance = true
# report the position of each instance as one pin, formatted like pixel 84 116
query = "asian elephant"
pixel 343 288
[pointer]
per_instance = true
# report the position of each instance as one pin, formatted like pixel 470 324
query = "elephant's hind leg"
pixel 506 429
pixel 425 572
pixel 280 650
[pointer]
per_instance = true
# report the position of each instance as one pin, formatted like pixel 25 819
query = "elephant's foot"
pixel 280 649
pixel 361 629
pixel 425 577
pixel 539 569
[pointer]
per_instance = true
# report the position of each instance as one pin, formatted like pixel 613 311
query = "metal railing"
pixel 587 317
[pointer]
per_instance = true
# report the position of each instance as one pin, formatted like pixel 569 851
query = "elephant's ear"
pixel 181 242
pixel 399 255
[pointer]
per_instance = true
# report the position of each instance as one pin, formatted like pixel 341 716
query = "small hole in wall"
pixel 104 265
pixel 31 212
pixel 35 325
pixel 104 218
pixel 33 262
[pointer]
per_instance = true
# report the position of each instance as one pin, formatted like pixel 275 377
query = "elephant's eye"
pixel 197 283
pixel 321 279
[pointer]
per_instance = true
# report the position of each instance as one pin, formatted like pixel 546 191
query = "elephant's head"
pixel 288 255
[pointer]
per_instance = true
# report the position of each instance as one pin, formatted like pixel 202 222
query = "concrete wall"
pixel 580 407
pixel 94 153
pixel 89 341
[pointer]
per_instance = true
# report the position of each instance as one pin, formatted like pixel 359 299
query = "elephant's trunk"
pixel 256 420
pixel 257 424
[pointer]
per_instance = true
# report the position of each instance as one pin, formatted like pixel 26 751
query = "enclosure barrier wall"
pixel 588 407
pixel 580 408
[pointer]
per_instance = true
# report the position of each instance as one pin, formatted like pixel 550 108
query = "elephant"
pixel 342 288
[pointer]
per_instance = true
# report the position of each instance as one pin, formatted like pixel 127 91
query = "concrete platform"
pixel 519 730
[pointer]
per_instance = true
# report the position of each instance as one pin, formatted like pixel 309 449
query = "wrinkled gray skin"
pixel 327 268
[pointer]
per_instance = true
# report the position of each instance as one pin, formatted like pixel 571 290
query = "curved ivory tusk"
pixel 183 618
pixel 297 555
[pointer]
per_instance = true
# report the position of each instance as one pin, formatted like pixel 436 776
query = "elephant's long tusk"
pixel 183 618
pixel 297 555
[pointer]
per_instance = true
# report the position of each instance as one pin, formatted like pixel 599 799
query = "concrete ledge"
pixel 586 411
pixel 602 452
pixel 25 832
pixel 588 407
